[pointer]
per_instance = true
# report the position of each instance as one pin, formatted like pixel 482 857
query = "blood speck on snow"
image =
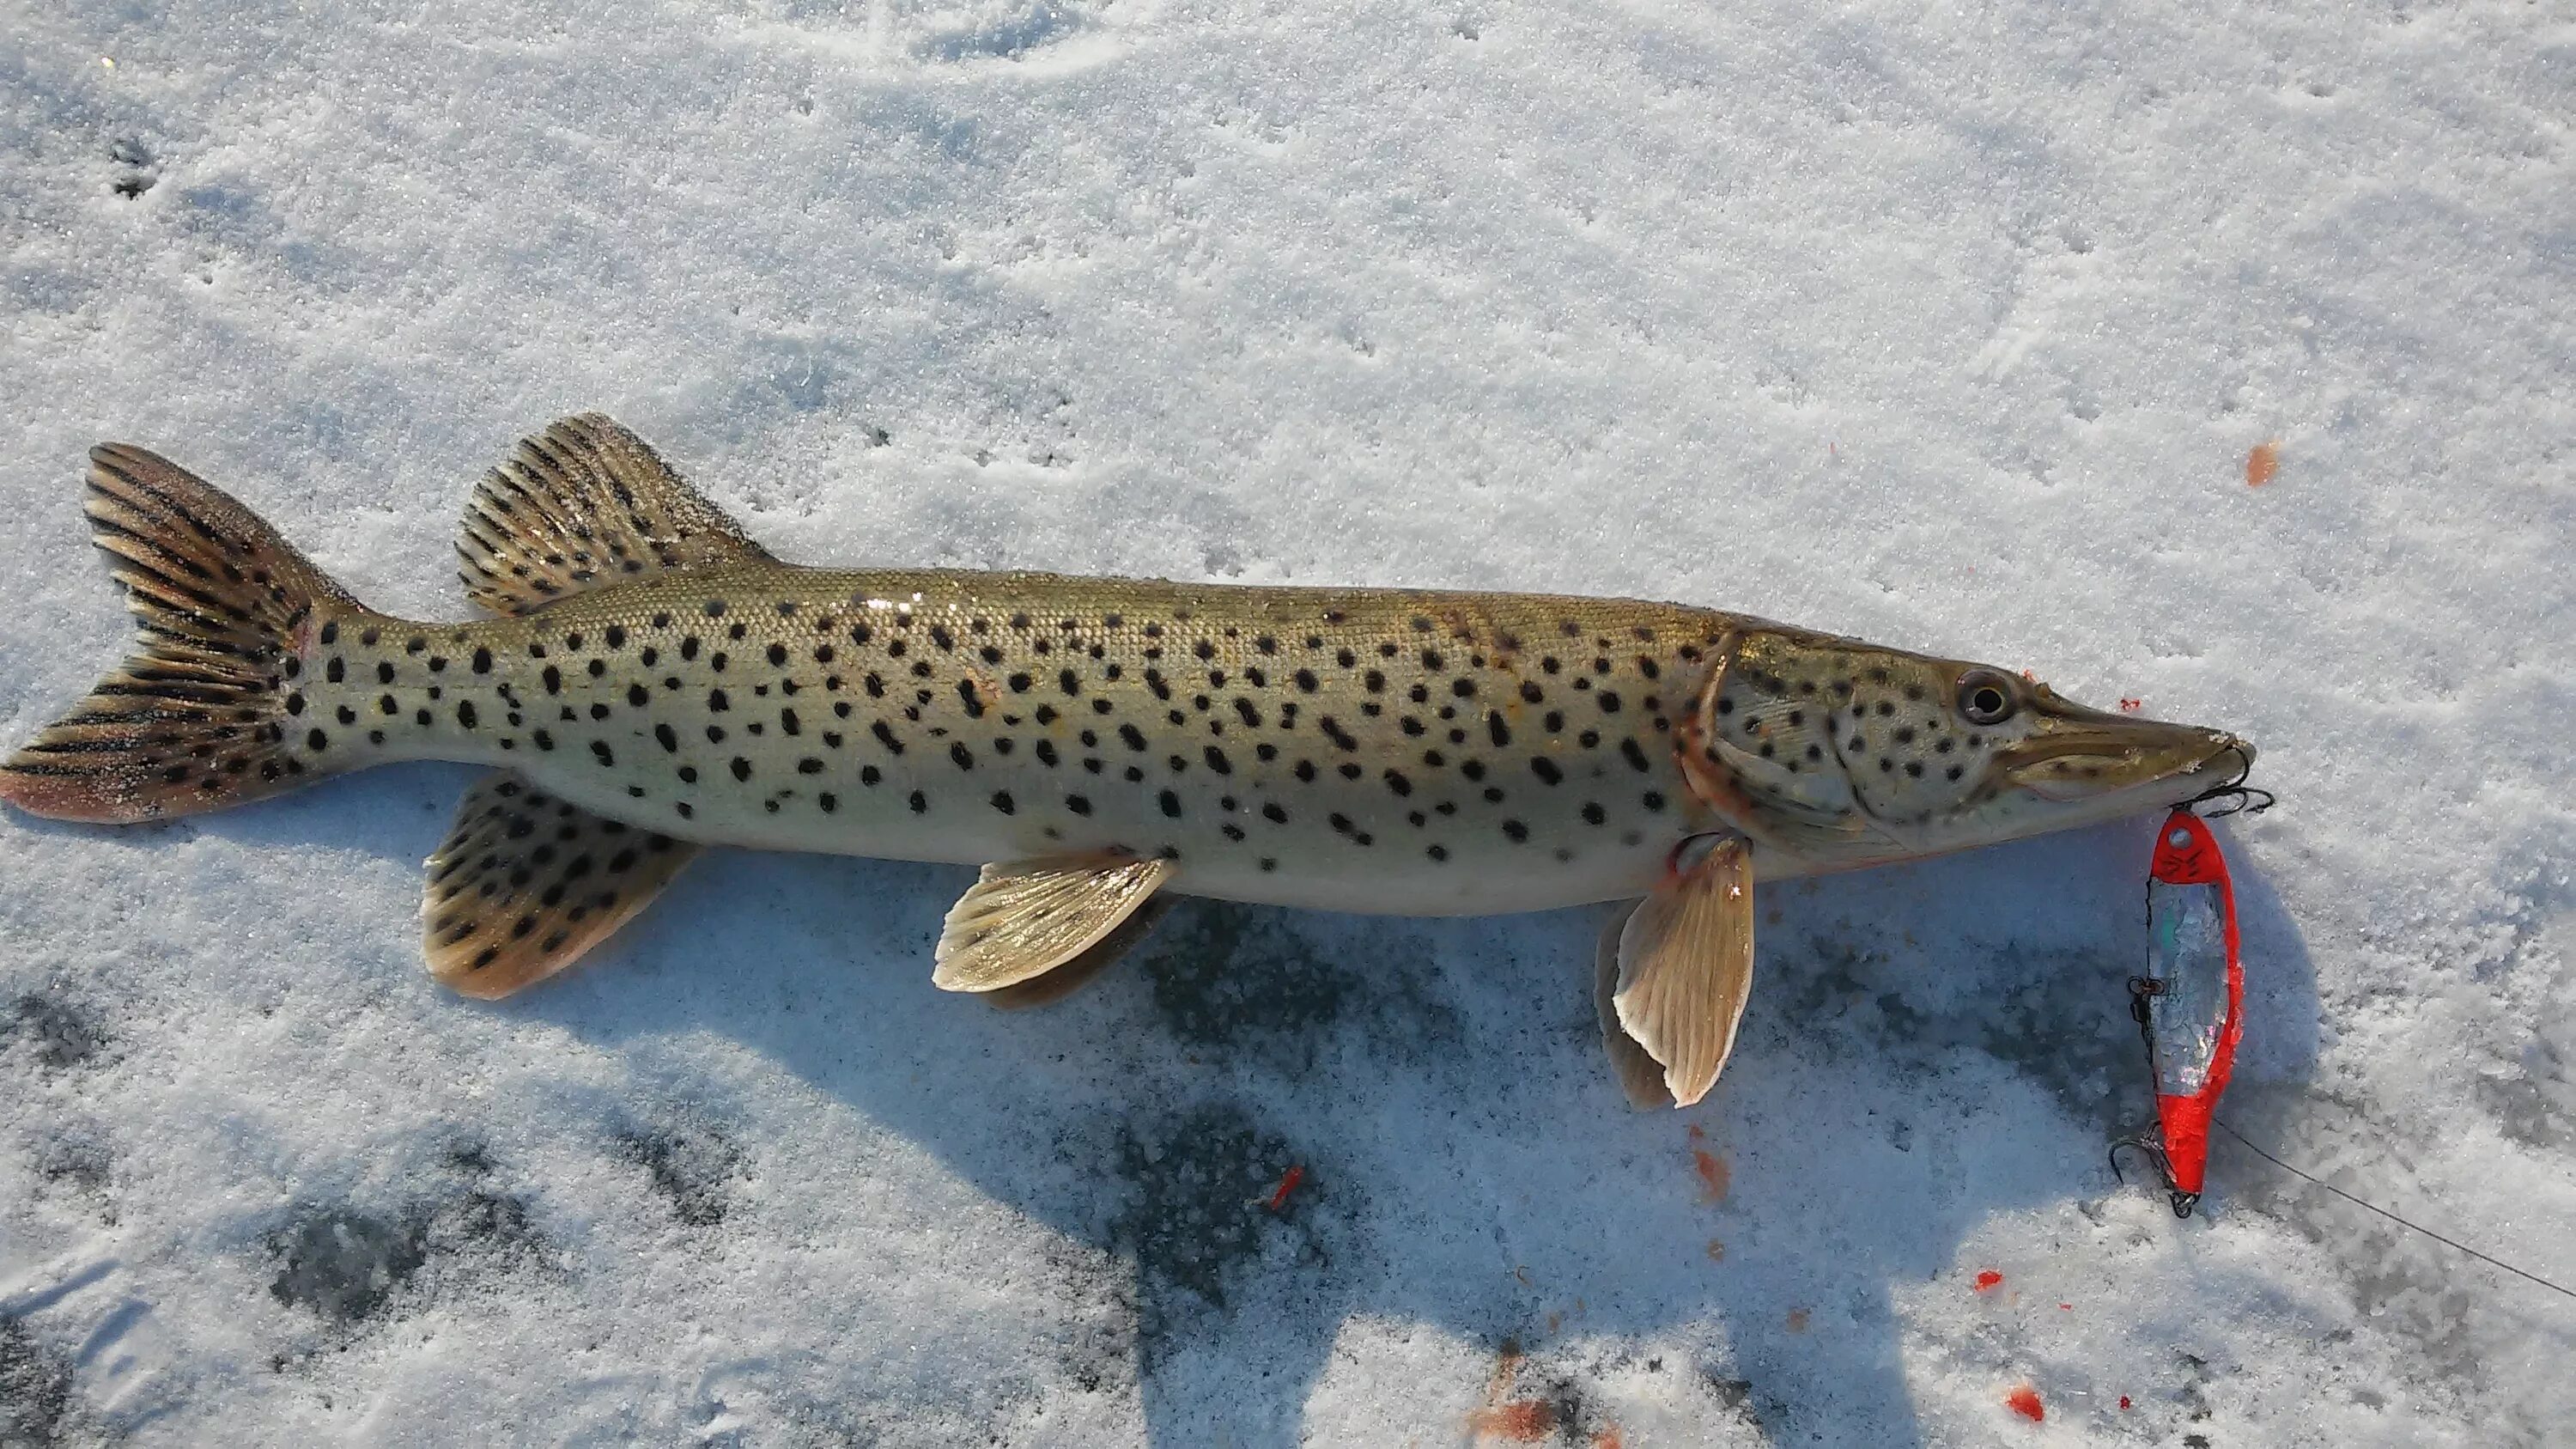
pixel 2124 1401
pixel 1712 1174
pixel 1607 1437
pixel 2262 463
pixel 1522 1421
pixel 2131 704
pixel 1989 1280
pixel 1797 1320
pixel 2025 1402
pixel 1288 1181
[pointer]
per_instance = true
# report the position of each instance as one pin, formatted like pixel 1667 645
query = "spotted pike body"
pixel 655 682
pixel 1419 753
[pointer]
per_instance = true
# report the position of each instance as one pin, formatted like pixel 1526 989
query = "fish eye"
pixel 1986 697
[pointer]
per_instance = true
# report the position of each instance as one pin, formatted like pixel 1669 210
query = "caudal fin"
pixel 203 715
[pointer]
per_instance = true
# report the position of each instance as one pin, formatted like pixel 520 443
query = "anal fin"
pixel 1026 918
pixel 525 883
pixel 1685 968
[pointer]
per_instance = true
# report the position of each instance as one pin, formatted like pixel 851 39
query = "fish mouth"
pixel 2114 764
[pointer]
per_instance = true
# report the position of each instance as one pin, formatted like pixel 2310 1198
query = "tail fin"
pixel 201 716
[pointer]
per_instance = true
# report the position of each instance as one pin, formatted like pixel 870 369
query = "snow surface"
pixel 1949 327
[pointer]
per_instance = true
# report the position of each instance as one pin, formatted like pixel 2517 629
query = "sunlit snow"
pixel 1955 329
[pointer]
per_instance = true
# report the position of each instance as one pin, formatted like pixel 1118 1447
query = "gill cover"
pixel 1758 747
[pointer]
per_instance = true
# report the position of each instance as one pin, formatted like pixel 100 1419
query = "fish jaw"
pixel 1834 755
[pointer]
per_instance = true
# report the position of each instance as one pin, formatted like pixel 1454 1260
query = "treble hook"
pixel 2241 797
pixel 2152 1144
pixel 2142 989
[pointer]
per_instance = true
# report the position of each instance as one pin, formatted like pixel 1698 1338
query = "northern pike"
pixel 655 682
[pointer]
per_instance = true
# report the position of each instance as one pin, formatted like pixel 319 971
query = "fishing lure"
pixel 2190 1003
pixel 2190 1008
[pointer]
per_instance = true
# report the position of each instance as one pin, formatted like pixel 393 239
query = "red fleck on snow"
pixel 2131 704
pixel 1989 1280
pixel 1713 1176
pixel 1522 1421
pixel 2025 1402
pixel 1288 1181
pixel 2262 463
pixel 2124 1401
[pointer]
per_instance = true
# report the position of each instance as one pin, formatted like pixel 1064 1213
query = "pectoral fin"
pixel 525 883
pixel 1027 918
pixel 1640 1076
pixel 1685 969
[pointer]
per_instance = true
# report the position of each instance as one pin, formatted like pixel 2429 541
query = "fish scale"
pixel 1351 749
pixel 657 683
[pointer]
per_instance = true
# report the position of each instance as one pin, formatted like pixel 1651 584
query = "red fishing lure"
pixel 2190 1006
pixel 2190 1003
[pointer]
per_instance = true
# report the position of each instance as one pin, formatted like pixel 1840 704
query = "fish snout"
pixel 2081 754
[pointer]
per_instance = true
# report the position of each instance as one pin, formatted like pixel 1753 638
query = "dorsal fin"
pixel 582 503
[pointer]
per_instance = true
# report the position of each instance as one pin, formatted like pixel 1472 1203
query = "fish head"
pixel 1845 754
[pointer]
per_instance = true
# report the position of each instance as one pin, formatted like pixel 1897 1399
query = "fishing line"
pixel 2385 1213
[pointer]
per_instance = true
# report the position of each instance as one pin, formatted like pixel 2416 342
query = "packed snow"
pixel 1956 329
